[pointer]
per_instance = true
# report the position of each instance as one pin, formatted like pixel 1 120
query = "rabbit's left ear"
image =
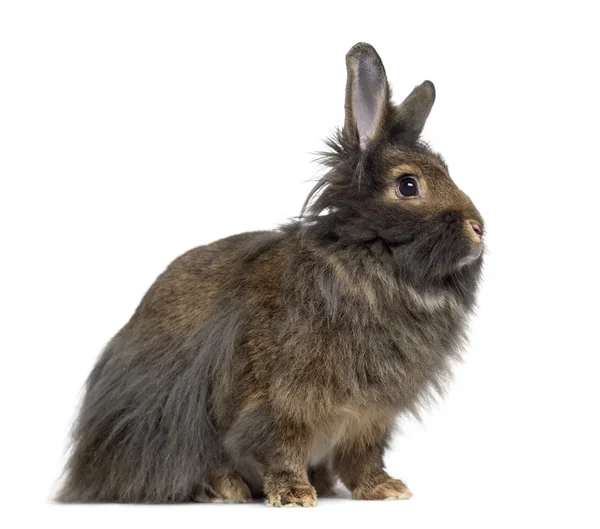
pixel 367 95
pixel 412 113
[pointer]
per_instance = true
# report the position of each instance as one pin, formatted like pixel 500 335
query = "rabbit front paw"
pixel 294 495
pixel 390 489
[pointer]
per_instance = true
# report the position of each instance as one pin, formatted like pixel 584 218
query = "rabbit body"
pixel 275 362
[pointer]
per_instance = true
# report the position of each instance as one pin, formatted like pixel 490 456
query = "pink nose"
pixel 476 228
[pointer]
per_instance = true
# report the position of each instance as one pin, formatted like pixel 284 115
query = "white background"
pixel 133 131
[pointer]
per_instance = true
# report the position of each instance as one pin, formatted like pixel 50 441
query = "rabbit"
pixel 272 364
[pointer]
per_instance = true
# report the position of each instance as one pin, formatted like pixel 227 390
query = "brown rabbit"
pixel 273 363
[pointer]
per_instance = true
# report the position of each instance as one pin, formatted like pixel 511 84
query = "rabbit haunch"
pixel 273 363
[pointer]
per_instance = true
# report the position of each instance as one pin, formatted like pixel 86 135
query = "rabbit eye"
pixel 407 187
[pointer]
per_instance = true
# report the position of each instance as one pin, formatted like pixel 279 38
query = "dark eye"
pixel 407 187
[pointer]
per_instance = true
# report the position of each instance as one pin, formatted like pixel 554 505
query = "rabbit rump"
pixel 270 364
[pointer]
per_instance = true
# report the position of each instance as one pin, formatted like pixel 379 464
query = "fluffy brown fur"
pixel 271 363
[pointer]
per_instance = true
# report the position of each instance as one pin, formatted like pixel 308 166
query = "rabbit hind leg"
pixel 224 486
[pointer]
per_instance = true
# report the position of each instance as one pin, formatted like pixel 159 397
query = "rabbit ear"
pixel 367 94
pixel 413 112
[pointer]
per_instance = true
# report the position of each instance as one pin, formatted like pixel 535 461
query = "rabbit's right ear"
pixel 367 95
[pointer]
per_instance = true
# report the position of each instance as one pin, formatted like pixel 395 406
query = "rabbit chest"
pixel 391 354
pixel 357 355
pixel 381 366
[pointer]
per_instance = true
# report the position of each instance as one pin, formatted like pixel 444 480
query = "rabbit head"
pixel 386 188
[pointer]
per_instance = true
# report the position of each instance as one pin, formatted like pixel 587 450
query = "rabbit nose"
pixel 475 228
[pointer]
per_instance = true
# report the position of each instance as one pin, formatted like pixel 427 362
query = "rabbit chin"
pixel 475 253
